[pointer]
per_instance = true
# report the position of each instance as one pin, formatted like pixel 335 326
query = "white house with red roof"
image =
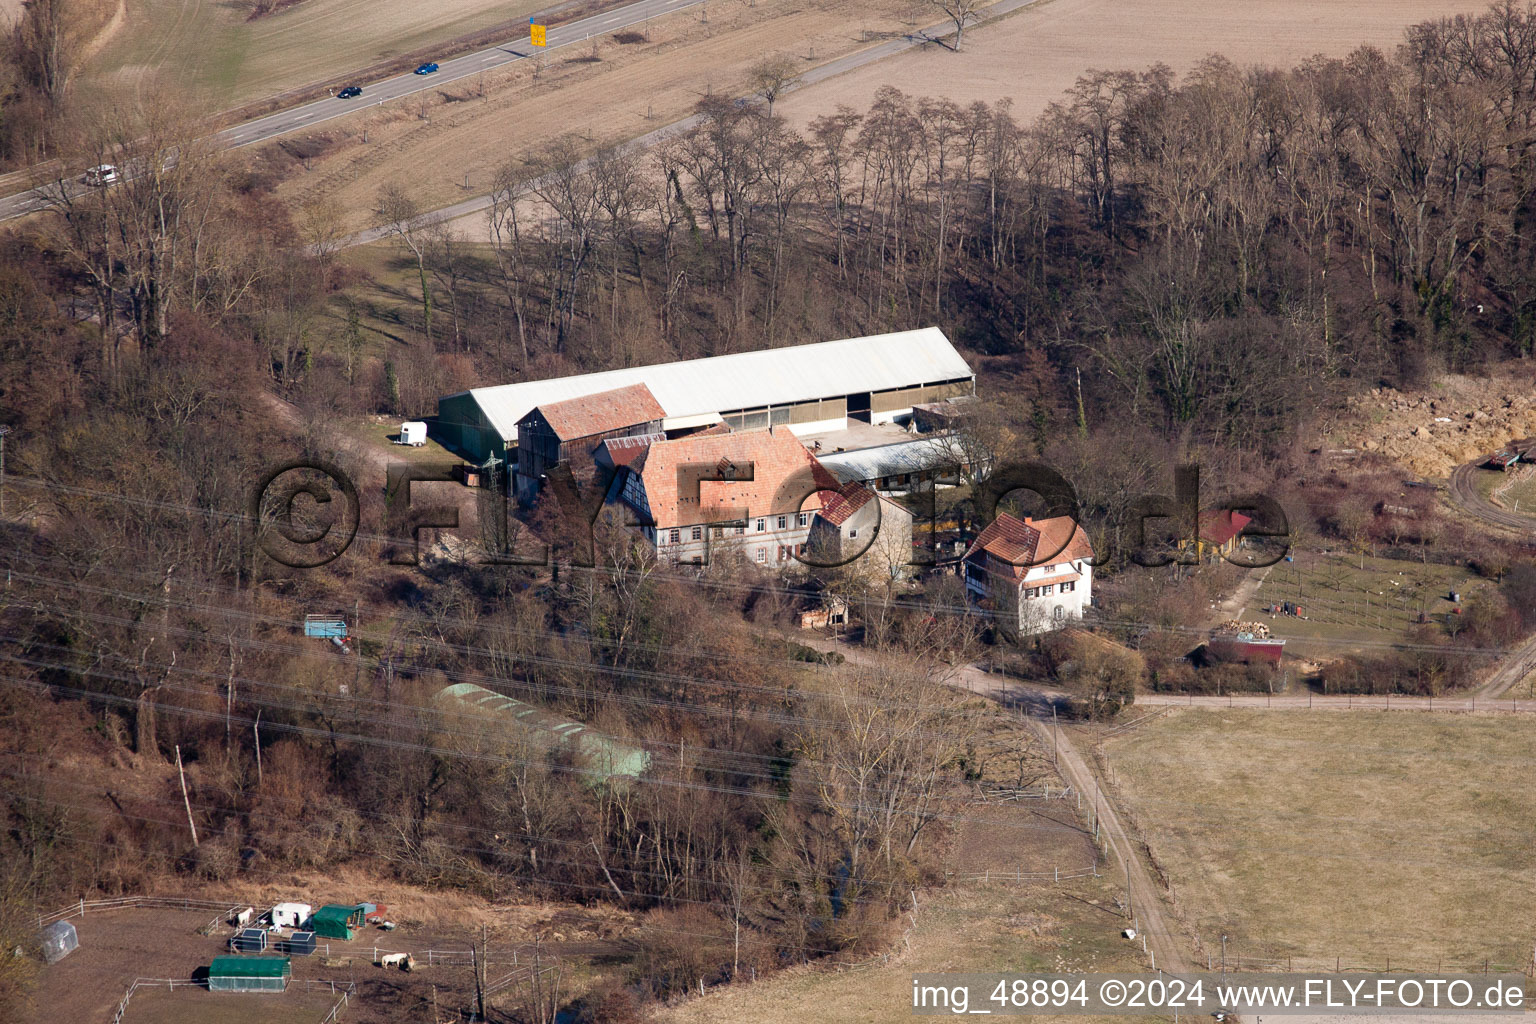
pixel 1034 573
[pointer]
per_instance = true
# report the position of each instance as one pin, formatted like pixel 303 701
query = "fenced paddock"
pixel 82 907
pixel 187 1001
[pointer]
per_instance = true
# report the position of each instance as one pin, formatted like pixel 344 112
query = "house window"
pixel 698 533
pixel 1031 592
pixel 1069 586
pixel 675 536
pixel 762 524
pixel 853 534
pixel 762 554
pixel 783 522
pixel 802 519
pixel 1059 613
pixel 1047 590
pixel 1048 570
pixel 740 530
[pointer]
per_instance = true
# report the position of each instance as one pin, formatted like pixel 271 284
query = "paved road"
pixel 1463 493
pixel 375 93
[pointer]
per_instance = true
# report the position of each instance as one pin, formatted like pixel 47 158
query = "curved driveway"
pixel 1464 494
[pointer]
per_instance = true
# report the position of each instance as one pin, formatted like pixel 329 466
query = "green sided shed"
pixel 249 974
pixel 338 921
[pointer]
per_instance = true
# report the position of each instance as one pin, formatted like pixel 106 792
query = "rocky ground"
pixel 1449 423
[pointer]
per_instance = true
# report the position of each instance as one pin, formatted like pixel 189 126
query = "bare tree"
pixel 402 218
pixel 961 13
pixel 771 76
pixel 46 45
pixel 508 188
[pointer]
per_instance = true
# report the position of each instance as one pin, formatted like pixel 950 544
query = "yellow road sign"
pixel 536 34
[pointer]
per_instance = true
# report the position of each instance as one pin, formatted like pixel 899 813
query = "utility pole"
pixel 1082 416
pixel 256 731
pixel 1223 954
pixel 1130 905
pixel 3 431
pixel 184 798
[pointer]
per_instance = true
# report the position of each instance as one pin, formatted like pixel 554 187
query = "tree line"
pixel 1213 253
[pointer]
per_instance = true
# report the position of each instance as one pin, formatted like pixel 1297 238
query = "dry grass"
pixel 984 928
pixel 1517 491
pixel 602 102
pixel 212 49
pixel 1365 836
pixel 1033 56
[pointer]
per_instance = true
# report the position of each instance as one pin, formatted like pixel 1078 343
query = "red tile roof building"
pixel 1034 573
pixel 572 430
pixel 756 491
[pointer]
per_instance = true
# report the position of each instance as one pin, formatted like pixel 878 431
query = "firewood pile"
pixel 1257 630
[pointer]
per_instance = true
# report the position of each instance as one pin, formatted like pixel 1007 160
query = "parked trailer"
pixel 290 915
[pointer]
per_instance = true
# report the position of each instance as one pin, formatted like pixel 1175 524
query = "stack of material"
pixel 1254 629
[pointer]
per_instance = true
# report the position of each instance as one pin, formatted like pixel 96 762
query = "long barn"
pixel 807 388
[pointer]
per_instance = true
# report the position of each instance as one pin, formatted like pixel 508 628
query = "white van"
pixel 101 175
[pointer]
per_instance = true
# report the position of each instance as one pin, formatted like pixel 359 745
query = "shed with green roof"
pixel 249 974
pixel 338 920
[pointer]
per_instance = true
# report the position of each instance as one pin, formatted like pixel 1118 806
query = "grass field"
pixel 1370 836
pixel 1515 491
pixel 215 51
pixel 1034 56
pixel 983 928
pixel 1346 605
pixel 192 1005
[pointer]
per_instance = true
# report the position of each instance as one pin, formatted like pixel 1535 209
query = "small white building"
pixel 413 433
pixel 1034 574
pixel 290 915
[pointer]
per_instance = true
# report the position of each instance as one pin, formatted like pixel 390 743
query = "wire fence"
pixel 344 992
pixel 1018 875
pixel 522 974
pixel 1366 963
pixel 83 906
pixel 1009 794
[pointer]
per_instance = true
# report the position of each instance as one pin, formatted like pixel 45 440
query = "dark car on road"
pixel 426 69
pixel 349 92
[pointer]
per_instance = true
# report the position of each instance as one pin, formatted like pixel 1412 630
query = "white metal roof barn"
pixel 698 392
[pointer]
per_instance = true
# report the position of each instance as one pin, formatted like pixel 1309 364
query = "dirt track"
pixel 1464 494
